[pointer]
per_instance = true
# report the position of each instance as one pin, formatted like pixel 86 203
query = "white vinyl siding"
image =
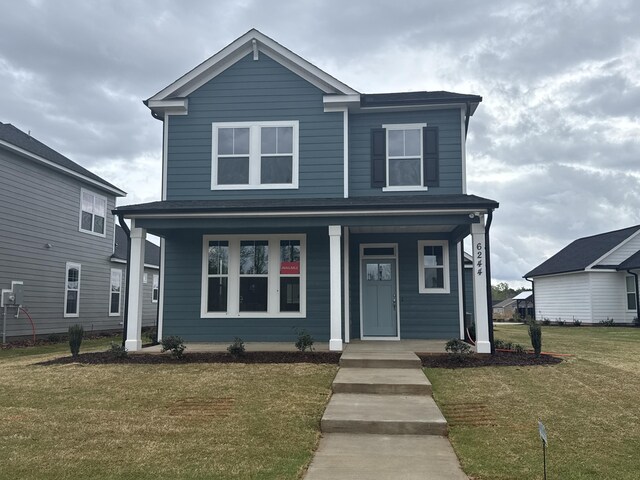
pixel 622 252
pixel 609 297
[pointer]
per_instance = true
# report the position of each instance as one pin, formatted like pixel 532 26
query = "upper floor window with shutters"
pixel 254 155
pixel 404 157
pixel 93 210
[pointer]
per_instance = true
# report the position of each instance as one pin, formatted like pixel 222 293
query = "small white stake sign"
pixel 543 432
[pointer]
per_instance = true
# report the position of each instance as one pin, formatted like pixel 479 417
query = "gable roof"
pixel 151 250
pixel 505 303
pixel 581 253
pixel 24 144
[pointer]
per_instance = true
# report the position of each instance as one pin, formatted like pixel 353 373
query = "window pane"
pixel 433 278
pixel 241 141
pixel 233 171
pixel 87 221
pixel 290 250
pixel 396 143
pixel 631 285
pixel 404 172
pixel 433 256
pixel 631 301
pixel 276 170
pixel 225 141
pixel 253 294
pixel 98 226
pixel 100 207
pixel 290 294
pixel 385 271
pixel 72 278
pixel 115 303
pixel 373 273
pixel 254 257
pixel 412 143
pixel 72 302
pixel 115 281
pixel 285 139
pixel 378 251
pixel 268 135
pixel 217 294
pixel 87 202
pixel 218 258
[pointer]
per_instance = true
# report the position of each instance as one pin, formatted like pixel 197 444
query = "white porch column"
pixel 480 300
pixel 335 262
pixel 136 272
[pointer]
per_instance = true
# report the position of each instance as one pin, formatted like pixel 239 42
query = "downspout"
pixel 125 227
pixel 464 284
pixel 635 276
pixel 488 272
pixel 533 297
pixel 466 119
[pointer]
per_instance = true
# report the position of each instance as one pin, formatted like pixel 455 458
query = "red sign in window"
pixel 290 268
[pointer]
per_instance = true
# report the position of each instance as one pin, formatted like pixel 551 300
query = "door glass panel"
pixel 378 251
pixel 385 271
pixel 373 274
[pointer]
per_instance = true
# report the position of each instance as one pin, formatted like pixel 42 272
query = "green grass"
pixel 183 421
pixel 590 405
pixel 58 348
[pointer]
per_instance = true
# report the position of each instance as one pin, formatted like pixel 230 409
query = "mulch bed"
pixel 102 358
pixel 499 359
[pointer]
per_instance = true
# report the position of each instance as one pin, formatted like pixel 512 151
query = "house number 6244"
pixel 479 259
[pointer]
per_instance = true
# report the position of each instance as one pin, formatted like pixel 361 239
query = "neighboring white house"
pixel 593 279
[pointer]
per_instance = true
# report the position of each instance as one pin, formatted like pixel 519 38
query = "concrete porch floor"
pixel 417 346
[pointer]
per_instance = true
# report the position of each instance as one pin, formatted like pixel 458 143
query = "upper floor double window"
pixel 253 155
pixel 93 211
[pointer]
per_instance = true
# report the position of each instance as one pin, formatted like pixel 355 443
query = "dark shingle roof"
pixel 319 204
pixel 151 250
pixel 582 252
pixel 415 98
pixel 630 263
pixel 17 137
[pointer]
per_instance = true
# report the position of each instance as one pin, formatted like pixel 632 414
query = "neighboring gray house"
pixel 150 281
pixel 592 279
pixel 56 238
pixel 292 201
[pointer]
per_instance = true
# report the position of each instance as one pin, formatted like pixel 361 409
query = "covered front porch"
pixel 357 272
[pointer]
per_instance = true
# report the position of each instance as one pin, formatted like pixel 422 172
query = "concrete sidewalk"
pixel 382 423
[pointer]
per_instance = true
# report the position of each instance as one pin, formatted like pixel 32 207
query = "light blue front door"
pixel 378 277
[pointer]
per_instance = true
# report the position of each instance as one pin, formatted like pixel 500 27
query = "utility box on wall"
pixel 13 297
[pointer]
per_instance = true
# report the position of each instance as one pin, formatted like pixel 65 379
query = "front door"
pixel 379 302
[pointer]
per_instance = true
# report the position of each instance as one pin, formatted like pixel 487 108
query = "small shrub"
pixel 535 334
pixel 576 322
pixel 236 349
pixel 636 322
pixel 55 338
pixel 497 343
pixel 609 322
pixel 152 334
pixel 175 345
pixel 304 341
pixel 517 348
pixel 117 350
pixel 546 321
pixel 75 339
pixel 560 322
pixel 457 347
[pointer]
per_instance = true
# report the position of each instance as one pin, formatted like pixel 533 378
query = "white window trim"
pixel 255 143
pixel 233 294
pixel 145 278
pixel 155 286
pixel 627 292
pixel 115 314
pixel 405 188
pixel 106 209
pixel 445 257
pixel 69 266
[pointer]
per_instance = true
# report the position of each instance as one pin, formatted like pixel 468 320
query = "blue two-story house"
pixel 291 201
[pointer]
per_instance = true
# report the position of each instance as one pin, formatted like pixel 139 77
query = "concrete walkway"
pixel 381 421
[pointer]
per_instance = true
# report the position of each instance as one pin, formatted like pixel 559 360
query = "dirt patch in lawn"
pixel 101 358
pixel 499 359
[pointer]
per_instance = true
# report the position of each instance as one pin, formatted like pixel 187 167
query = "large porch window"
pixel 433 266
pixel 253 276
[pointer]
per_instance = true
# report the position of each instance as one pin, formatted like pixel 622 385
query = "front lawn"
pixel 590 405
pixel 179 421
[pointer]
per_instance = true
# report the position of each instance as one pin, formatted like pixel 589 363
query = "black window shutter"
pixel 431 165
pixel 378 157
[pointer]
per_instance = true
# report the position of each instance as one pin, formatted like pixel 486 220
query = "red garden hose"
pixel 33 327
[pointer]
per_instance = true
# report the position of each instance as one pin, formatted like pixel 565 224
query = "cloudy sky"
pixel 556 140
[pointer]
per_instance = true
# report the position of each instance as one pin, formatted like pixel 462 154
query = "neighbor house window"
pixel 145 278
pixel 72 290
pixel 404 155
pixel 92 213
pixel 433 266
pixel 631 293
pixel 253 276
pixel 154 291
pixel 115 291
pixel 255 155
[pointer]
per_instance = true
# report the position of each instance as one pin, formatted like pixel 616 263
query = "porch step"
pixel 383 414
pixel 380 360
pixel 388 381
